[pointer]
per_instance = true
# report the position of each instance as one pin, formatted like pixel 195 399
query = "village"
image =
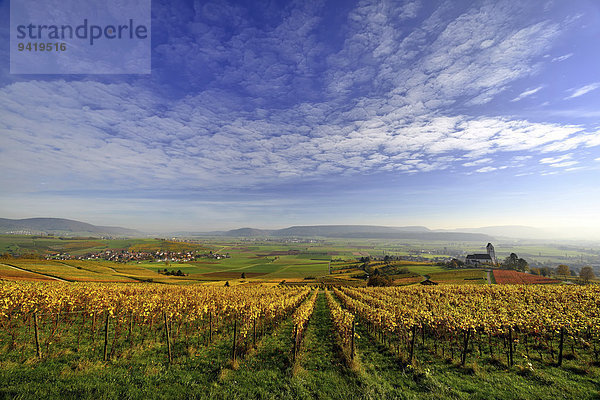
pixel 123 255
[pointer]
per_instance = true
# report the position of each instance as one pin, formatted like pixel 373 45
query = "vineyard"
pixel 206 331
pixel 482 321
pixel 113 317
pixel 511 277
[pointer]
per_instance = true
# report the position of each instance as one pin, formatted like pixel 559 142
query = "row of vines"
pixel 113 320
pixel 549 323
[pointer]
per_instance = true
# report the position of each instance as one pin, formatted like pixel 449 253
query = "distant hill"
pixel 248 232
pixel 510 231
pixel 63 227
pixel 346 230
pixel 360 231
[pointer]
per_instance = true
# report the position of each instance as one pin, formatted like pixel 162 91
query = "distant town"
pixel 121 255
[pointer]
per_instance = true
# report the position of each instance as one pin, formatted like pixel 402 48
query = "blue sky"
pixel 269 114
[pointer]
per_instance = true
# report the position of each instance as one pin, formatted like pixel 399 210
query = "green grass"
pixel 138 371
pixel 433 378
pixel 460 276
pixel 300 271
pixel 425 269
pixel 263 373
pixel 320 370
pixel 269 373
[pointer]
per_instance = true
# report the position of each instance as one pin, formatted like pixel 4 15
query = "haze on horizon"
pixel 446 114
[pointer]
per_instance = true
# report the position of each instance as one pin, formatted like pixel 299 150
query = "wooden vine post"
pixel 465 347
pixel 254 332
pixel 510 347
pixel 233 350
pixel 168 335
pixel 352 340
pixel 105 358
pixel 130 335
pixel 295 342
pixel 560 345
pixel 210 327
pixel 412 343
pixel 37 336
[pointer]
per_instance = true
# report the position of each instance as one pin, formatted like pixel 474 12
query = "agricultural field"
pixel 247 269
pixel 463 276
pixel 48 245
pixel 509 277
pixel 75 271
pixel 121 340
pixel 12 273
pixel 250 261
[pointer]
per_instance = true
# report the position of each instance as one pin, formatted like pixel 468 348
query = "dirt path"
pixel 489 277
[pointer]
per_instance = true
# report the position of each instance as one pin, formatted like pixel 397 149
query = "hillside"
pixel 361 231
pixel 63 227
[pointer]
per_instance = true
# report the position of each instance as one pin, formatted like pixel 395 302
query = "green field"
pixel 262 260
pixel 464 276
pixel 254 270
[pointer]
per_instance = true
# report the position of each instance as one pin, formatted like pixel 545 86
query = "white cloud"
pixel 388 105
pixel 475 55
pixel 95 135
pixel 527 93
pixel 486 169
pixel 552 160
pixel 477 162
pixel 562 58
pixel 564 164
pixel 583 90
pixel 581 140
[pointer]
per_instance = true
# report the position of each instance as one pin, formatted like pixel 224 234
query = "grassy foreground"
pixel 268 372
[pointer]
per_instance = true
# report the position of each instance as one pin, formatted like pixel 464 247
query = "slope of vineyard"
pixel 12 273
pixel 511 277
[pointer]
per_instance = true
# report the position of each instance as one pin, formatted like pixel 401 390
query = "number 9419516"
pixel 35 46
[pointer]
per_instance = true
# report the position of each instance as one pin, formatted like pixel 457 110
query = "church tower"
pixel 491 252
